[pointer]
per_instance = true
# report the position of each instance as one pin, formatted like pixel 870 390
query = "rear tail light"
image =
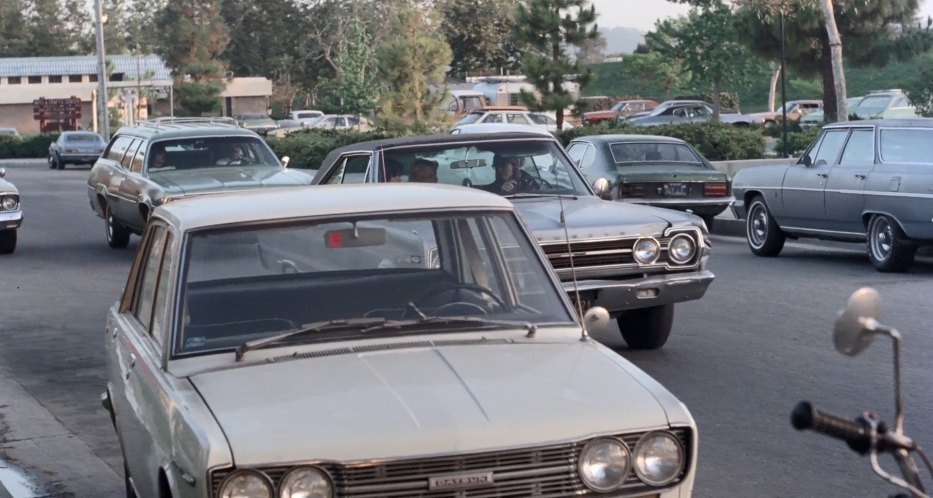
pixel 717 189
pixel 631 190
pixel 70 151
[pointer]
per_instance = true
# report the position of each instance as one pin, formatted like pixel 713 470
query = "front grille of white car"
pixel 547 471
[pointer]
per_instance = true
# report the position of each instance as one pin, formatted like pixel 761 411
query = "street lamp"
pixel 102 116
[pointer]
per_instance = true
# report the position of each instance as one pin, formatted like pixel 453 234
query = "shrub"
pixel 716 141
pixel 307 149
pixel 33 146
pixel 797 141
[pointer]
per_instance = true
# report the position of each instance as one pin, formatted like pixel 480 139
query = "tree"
pixel 263 35
pixel 873 26
pixel 661 76
pixel 411 64
pixel 920 88
pixel 592 51
pixel 705 44
pixel 481 35
pixel 547 28
pixel 48 30
pixel 835 51
pixel 354 89
pixel 13 33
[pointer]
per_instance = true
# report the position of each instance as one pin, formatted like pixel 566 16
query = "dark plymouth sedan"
pixel 858 181
pixel 75 147
pixel 155 161
pixel 659 171
pixel 635 261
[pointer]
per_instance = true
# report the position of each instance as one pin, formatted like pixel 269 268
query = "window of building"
pixel 74 78
pixel 55 78
pixel 35 80
pixel 92 78
pixel 14 80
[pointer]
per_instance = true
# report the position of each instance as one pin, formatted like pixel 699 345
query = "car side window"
pixel 860 148
pixel 350 169
pixel 130 153
pixel 145 299
pixel 139 159
pixel 518 119
pixel 829 148
pixel 576 151
pixel 118 148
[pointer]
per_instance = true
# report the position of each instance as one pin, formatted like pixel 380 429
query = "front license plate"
pixel 675 189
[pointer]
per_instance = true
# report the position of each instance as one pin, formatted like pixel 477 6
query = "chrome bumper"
pixel 622 295
pixel 11 220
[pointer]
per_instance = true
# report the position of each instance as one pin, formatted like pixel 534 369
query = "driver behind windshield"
pixel 510 177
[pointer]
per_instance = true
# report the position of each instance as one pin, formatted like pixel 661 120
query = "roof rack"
pixel 186 122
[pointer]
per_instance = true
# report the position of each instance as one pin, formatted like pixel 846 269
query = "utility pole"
pixel 102 117
pixel 783 90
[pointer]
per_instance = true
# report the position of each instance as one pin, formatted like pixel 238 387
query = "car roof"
pixel 461 138
pixel 501 127
pixel 226 208
pixel 501 108
pixel 629 138
pixel 174 127
pixel 906 123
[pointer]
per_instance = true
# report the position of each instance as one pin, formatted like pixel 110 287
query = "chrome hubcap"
pixel 883 240
pixel 758 225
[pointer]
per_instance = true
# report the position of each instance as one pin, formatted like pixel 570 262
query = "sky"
pixel 641 14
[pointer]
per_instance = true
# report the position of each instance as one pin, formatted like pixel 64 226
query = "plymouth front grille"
pixel 548 471
pixel 606 252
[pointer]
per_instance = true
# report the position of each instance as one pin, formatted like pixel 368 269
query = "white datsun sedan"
pixel 372 341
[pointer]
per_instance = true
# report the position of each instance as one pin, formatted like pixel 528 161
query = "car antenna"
pixel 573 270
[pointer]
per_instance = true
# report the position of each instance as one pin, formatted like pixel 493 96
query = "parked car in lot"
pixel 885 104
pixel 511 114
pixel 796 109
pixel 500 128
pixel 10 134
pixel 464 101
pixel 11 215
pixel 75 147
pixel 672 112
pixel 818 118
pixel 859 181
pixel 404 340
pixel 155 161
pixel 306 117
pixel 636 261
pixel 654 170
pixel 257 122
pixel 621 108
pixel 342 122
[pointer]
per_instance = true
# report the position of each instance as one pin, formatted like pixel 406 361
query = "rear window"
pixel 84 137
pixel 632 153
pixel 906 145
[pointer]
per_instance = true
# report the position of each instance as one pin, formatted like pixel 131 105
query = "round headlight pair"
pixel 646 251
pixel 605 463
pixel 682 249
pixel 9 202
pixel 302 482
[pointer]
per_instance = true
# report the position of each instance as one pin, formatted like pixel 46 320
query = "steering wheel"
pixel 527 183
pixel 457 289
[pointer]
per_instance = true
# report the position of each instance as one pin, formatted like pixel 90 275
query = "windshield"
pixel 209 152
pixel 84 137
pixel 507 167
pixel 470 103
pixel 872 106
pixel 471 118
pixel 252 283
pixel 627 154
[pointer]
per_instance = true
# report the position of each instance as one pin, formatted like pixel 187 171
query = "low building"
pixel 140 87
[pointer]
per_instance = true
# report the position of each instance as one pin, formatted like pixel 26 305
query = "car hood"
pixel 227 178
pixel 428 401
pixel 667 172
pixel 599 114
pixel 591 217
pixel 7 187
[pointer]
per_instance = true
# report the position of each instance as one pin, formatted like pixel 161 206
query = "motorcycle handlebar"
pixel 853 433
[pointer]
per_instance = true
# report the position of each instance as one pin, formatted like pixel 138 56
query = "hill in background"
pixel 621 40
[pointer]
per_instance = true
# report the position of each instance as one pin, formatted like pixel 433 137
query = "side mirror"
pixel 2 172
pixel 285 160
pixel 601 187
pixel 849 336
pixel 596 319
pixel 806 160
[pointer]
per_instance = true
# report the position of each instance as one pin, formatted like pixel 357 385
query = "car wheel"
pixel 53 164
pixel 888 247
pixel 7 241
pixel 764 236
pixel 647 328
pixel 118 237
pixel 130 492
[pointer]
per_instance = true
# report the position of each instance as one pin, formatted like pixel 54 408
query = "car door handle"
pixel 860 176
pixel 131 366
pixel 822 175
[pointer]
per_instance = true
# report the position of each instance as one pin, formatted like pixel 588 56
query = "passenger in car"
pixel 423 171
pixel 393 171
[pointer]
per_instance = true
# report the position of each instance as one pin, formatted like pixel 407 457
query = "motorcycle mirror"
pixel 849 336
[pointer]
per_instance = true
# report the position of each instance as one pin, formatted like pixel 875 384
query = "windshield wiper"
pixel 453 320
pixel 531 195
pixel 306 329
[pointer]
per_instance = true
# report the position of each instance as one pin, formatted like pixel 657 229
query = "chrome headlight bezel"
pixel 294 475
pixel 9 202
pixel 259 477
pixel 638 458
pixel 626 464
pixel 671 252
pixel 646 243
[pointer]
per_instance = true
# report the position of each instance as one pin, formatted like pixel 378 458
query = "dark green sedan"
pixel 658 171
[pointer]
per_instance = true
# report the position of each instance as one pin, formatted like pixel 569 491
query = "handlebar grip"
pixel 854 434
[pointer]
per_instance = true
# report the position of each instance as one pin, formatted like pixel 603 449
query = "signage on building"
pixel 56 114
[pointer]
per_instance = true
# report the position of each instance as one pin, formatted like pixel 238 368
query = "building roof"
pixel 151 67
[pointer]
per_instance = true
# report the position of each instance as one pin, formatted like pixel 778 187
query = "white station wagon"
pixel 372 341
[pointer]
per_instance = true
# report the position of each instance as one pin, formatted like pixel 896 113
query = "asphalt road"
pixel 740 358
